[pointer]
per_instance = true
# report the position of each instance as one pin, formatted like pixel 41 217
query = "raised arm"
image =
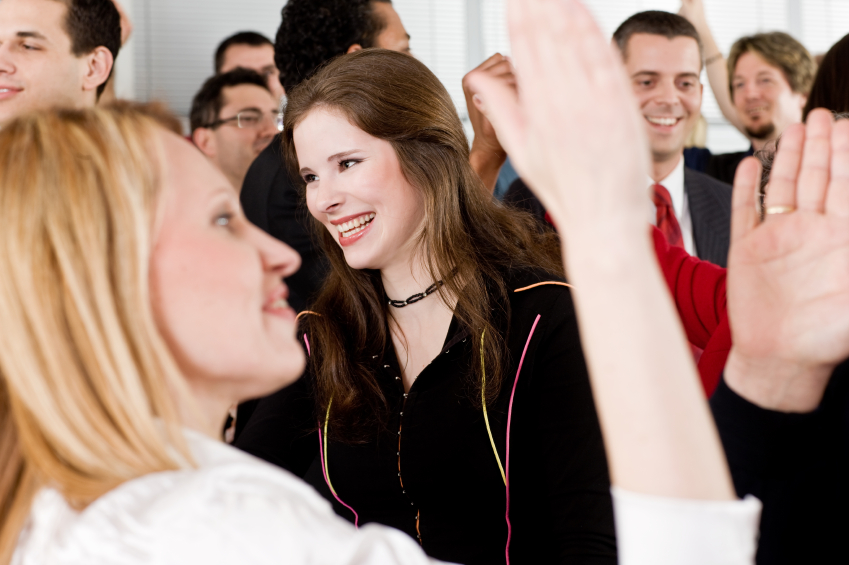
pixel 664 453
pixel 659 435
pixel 715 67
pixel 487 156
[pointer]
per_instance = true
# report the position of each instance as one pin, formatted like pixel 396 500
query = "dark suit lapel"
pixel 710 209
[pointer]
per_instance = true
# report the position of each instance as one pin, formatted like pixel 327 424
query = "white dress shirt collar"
pixel 674 184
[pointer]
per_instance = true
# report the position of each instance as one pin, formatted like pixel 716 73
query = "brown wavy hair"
pixel 469 240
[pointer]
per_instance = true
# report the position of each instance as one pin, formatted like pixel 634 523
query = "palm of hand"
pixel 788 289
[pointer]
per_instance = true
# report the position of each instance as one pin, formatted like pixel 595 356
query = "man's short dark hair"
pixel 210 98
pixel 251 38
pixel 655 22
pixel 91 24
pixel 312 32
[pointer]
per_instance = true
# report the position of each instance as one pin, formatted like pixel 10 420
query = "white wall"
pixel 170 54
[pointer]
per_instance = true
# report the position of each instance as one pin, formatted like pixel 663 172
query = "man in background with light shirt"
pixel 663 58
pixel 55 53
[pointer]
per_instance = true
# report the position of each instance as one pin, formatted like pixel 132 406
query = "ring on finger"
pixel 779 210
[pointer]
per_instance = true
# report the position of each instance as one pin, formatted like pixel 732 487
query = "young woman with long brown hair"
pixel 446 393
pixel 136 304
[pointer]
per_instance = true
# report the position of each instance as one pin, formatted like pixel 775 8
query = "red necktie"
pixel 666 220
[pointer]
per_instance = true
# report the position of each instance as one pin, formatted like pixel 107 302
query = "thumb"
pixel 744 207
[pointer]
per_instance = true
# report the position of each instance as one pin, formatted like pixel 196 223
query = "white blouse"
pixel 654 530
pixel 232 508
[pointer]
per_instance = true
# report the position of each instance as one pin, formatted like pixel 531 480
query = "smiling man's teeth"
pixel 662 121
pixel 355 226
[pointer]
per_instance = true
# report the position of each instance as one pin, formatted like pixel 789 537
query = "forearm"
pixel 717 73
pixel 658 431
pixel 487 164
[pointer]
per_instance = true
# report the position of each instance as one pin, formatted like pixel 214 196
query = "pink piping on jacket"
pixel 507 459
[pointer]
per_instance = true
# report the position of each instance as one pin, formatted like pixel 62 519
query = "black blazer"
pixel 797 465
pixel 710 210
pixel 273 202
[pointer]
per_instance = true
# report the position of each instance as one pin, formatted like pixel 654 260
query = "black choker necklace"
pixel 416 297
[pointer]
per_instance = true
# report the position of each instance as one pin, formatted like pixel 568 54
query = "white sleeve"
pixel 654 530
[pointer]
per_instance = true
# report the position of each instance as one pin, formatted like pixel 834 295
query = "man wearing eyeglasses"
pixel 234 117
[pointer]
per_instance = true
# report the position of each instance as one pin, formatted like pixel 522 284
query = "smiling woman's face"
pixel 216 284
pixel 356 188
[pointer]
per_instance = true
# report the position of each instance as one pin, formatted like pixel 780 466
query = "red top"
pixel 698 288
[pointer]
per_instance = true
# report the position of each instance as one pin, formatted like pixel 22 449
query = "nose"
pixel 324 198
pixel 750 91
pixel 278 259
pixel 6 65
pixel 666 93
pixel 268 128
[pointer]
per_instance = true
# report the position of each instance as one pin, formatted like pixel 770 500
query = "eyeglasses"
pixel 250 119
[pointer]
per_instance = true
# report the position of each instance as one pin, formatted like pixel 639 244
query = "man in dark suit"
pixel 663 58
pixel 311 33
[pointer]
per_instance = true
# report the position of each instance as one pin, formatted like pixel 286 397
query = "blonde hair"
pixel 87 384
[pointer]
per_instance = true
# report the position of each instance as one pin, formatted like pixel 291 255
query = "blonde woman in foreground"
pixel 136 305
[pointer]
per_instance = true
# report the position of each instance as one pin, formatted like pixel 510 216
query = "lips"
pixel 277 304
pixel 7 92
pixel 356 225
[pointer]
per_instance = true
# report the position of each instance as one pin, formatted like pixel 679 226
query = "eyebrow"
pixel 224 194
pixel 31 35
pixel 655 73
pixel 332 158
pixel 343 154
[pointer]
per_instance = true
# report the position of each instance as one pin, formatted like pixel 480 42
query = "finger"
pixel 837 200
pixel 785 168
pixel 491 63
pixel 598 58
pixel 499 67
pixel 500 104
pixel 816 159
pixel 744 204
pixel 494 60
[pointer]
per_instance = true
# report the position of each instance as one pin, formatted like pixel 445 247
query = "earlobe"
pixel 204 140
pixel 98 66
pixel 354 47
